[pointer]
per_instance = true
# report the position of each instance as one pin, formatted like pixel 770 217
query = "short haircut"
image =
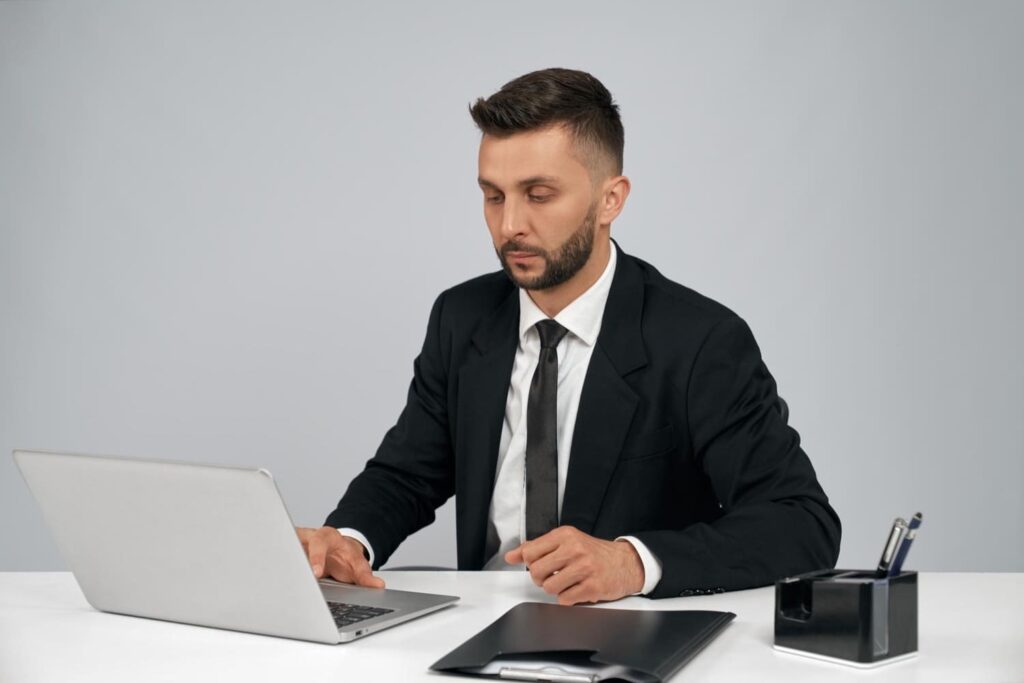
pixel 550 97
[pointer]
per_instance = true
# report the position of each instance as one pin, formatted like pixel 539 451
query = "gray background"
pixel 222 226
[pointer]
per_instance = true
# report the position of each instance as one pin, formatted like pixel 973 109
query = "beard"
pixel 561 264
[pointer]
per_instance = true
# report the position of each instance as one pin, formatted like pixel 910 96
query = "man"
pixel 615 432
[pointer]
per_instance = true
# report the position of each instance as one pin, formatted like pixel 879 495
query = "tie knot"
pixel 550 333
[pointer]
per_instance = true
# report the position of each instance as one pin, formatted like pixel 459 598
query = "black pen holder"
pixel 847 615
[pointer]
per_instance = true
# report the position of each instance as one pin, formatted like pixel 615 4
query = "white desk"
pixel 971 628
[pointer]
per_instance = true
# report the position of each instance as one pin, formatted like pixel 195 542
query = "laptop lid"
pixel 197 544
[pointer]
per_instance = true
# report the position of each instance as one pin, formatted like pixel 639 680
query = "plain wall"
pixel 222 226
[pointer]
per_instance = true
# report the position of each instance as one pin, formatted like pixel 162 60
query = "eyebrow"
pixel 525 182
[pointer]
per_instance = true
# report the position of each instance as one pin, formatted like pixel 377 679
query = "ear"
pixel 613 197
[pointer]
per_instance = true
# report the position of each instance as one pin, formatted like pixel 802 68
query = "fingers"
pixel 579 568
pixel 339 557
pixel 515 556
pixel 348 569
pixel 550 565
pixel 316 551
pixel 362 575
pixel 561 581
pixel 343 560
pixel 531 551
pixel 543 545
pixel 304 535
pixel 580 592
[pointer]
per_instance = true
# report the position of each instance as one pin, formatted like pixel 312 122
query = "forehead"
pixel 546 152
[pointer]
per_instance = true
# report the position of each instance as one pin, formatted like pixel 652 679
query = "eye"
pixel 494 199
pixel 539 197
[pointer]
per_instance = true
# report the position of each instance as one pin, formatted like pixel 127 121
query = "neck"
pixel 553 300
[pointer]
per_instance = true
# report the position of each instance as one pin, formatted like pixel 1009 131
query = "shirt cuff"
pixel 352 533
pixel 652 566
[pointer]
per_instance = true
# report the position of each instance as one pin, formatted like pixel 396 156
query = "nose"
pixel 512 222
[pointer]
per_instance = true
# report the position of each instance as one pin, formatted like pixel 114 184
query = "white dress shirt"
pixel 582 318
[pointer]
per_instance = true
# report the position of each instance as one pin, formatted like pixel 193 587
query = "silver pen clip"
pixel 552 674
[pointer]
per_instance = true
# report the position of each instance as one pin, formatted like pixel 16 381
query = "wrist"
pixel 356 545
pixel 634 567
pixel 358 537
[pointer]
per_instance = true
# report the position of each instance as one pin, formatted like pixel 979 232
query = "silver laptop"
pixel 199 544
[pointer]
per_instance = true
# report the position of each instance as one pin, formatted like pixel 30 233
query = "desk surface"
pixel 971 629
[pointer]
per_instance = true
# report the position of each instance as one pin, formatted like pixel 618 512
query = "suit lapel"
pixel 483 390
pixel 607 402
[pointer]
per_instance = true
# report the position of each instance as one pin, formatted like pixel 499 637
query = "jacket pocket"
pixel 649 444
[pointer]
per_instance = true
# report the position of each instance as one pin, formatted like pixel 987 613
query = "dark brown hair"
pixel 557 96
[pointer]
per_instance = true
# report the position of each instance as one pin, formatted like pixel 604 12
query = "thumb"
pixel 515 556
pixel 362 575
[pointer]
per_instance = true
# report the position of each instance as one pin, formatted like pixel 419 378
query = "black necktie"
pixel 542 435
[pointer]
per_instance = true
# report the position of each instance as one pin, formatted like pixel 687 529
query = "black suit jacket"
pixel 678 439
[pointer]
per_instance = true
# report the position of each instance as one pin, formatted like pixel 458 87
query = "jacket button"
pixel 686 593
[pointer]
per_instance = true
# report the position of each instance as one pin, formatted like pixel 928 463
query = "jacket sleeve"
pixel 776 520
pixel 413 471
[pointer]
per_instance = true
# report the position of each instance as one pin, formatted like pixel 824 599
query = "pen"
pixel 908 538
pixel 548 674
pixel 899 527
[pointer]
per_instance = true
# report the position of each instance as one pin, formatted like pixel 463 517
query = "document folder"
pixel 544 642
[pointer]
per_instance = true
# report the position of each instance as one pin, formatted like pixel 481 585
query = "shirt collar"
pixel 582 317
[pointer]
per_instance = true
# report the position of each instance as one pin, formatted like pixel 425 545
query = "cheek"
pixel 493 220
pixel 558 223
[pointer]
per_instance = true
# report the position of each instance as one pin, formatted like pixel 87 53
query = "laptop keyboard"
pixel 345 614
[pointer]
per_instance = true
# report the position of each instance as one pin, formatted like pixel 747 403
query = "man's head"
pixel 550 170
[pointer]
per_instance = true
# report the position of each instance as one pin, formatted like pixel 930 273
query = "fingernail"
pixel 317 569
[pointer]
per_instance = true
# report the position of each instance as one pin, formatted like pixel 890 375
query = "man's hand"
pixel 579 568
pixel 338 557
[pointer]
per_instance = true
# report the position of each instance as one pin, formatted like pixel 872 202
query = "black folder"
pixel 541 641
